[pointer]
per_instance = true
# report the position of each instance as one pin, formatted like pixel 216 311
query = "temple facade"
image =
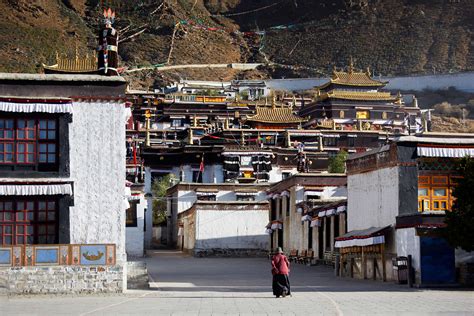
pixel 353 100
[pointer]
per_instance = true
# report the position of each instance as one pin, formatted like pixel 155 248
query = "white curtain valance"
pixel 340 209
pixel 36 189
pixel 322 214
pixel 330 212
pixel 360 242
pixel 445 152
pixel 276 226
pixel 315 223
pixel 318 193
pixel 36 107
pixel 306 218
pixel 200 193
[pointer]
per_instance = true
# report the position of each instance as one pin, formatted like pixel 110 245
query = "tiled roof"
pixel 352 78
pixel 273 114
pixel 77 64
pixel 357 95
pixel 355 78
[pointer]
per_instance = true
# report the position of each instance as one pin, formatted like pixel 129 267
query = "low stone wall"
pixel 227 252
pixel 63 280
pixel 137 275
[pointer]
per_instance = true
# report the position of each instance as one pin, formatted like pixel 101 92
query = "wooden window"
pixel 28 221
pixel 384 115
pixel 341 114
pixel 434 193
pixel 28 142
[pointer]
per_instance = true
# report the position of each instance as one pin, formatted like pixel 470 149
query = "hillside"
pixel 308 37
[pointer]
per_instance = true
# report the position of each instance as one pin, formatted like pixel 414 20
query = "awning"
pixel 36 189
pixel 277 225
pixel 246 193
pixel 246 153
pixel 330 212
pixel 341 209
pixel 318 193
pixel 444 152
pixel 366 237
pixel 315 223
pixel 30 107
pixel 321 213
pixel 201 193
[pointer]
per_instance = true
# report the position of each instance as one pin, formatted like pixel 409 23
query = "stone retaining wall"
pixel 63 280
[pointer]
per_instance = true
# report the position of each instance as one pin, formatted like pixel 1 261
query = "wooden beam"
pixel 384 272
pixel 364 264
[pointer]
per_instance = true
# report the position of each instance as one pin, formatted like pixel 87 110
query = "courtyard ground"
pixel 183 285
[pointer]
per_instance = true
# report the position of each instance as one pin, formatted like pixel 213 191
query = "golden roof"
pixel 353 78
pixel 357 95
pixel 77 64
pixel 273 114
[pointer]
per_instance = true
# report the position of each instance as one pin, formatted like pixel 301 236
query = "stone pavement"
pixel 185 285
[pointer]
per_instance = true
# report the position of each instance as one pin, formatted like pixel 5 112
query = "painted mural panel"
pixel 5 257
pixel 93 255
pixel 46 255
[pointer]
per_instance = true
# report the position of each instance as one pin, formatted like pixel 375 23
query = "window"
pixel 350 141
pixel 287 206
pixel 244 197
pixel 29 221
pixel 434 193
pixel 341 114
pixel 131 215
pixel 330 141
pixel 285 175
pixel 197 176
pixel 362 115
pixel 28 143
pixel 384 115
pixel 177 123
pixel 207 197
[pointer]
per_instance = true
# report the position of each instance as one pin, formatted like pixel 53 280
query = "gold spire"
pixel 351 65
pixel 368 71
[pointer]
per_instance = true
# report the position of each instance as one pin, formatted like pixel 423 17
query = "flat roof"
pixel 60 77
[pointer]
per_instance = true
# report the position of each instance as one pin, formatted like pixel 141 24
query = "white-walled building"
pixel 307 212
pixel 62 182
pixel 397 198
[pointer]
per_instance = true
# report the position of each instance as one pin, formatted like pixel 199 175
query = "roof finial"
pixel 273 101
pixel 368 71
pixel 351 65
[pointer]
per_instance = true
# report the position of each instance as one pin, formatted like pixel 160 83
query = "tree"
pixel 337 164
pixel 159 188
pixel 460 221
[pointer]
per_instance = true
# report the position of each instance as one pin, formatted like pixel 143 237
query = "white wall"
pixel 186 198
pixel 97 164
pixel 148 234
pixel 372 199
pixel 135 235
pixel 408 243
pixel 231 229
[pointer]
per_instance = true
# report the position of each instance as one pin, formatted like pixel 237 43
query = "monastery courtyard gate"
pixel 183 285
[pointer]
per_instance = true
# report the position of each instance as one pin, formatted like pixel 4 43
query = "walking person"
pixel 280 271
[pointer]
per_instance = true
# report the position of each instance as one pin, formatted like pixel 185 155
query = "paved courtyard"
pixel 184 285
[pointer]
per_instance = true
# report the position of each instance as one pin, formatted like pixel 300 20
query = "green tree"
pixel 460 221
pixel 337 164
pixel 159 188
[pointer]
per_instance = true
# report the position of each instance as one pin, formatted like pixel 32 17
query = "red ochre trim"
pixel 39 100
